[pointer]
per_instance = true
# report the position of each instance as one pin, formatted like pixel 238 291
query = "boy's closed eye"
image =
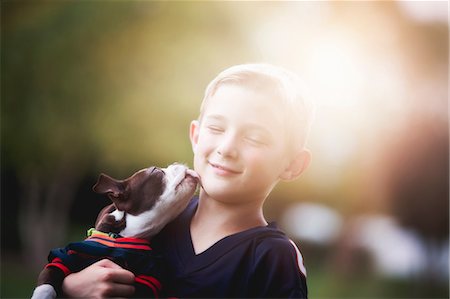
pixel 256 139
pixel 215 129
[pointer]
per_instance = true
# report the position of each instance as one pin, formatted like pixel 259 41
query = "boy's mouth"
pixel 224 169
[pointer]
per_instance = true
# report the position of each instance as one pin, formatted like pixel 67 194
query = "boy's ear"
pixel 297 166
pixel 193 133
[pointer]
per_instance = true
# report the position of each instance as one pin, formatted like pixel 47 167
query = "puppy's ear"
pixel 107 185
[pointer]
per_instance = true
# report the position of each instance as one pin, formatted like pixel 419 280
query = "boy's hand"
pixel 100 280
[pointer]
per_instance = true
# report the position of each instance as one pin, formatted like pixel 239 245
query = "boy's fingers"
pixel 123 290
pixel 106 263
pixel 121 276
pixel 103 279
pixel 115 273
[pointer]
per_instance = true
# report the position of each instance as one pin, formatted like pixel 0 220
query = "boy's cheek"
pixel 199 161
pixel 204 146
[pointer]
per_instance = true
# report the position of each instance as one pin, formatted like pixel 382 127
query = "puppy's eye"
pixel 157 170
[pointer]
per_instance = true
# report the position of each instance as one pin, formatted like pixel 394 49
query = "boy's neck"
pixel 236 211
pixel 214 220
pixel 232 217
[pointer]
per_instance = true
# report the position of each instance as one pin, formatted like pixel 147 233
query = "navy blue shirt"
pixel 260 262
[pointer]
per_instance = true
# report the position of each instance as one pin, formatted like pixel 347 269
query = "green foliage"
pixel 15 280
pixel 324 284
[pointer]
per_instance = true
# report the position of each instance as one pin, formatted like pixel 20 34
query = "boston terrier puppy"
pixel 142 205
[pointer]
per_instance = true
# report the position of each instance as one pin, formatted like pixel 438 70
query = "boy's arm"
pixel 103 279
pixel 279 271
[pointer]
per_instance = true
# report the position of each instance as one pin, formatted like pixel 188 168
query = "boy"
pixel 250 134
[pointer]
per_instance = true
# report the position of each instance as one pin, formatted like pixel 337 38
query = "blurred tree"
pixel 417 156
pixel 45 99
pixel 417 178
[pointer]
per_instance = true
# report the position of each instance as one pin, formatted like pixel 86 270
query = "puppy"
pixel 142 205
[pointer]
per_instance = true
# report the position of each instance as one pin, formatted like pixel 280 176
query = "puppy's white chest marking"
pixel 118 215
pixel 136 224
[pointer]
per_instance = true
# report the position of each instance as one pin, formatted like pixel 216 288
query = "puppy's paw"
pixel 44 291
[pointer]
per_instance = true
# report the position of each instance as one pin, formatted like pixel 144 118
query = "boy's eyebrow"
pixel 214 117
pixel 258 128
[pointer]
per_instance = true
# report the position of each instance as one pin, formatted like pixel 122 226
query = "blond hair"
pixel 297 106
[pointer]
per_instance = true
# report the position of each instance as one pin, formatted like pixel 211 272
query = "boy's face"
pixel 240 148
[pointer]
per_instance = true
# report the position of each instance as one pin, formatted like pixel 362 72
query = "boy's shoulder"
pixel 271 238
pixel 274 245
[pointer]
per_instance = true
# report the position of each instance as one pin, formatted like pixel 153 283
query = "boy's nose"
pixel 228 146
